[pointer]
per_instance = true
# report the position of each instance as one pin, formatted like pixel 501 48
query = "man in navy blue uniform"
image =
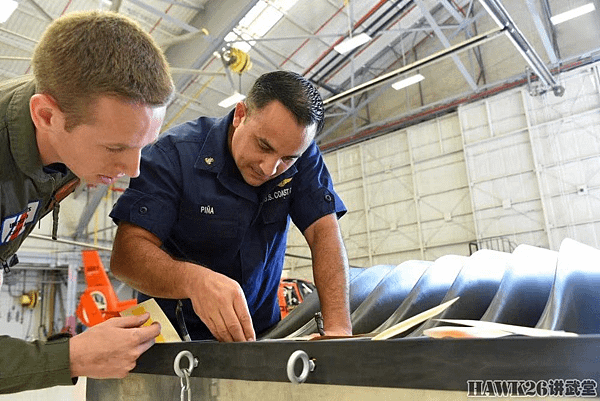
pixel 206 221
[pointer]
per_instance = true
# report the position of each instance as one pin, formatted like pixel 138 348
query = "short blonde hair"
pixel 84 55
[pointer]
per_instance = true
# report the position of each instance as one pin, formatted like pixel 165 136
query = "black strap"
pixel 55 212
pixel 13 260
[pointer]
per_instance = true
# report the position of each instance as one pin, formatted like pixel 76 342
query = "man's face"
pixel 109 146
pixel 266 142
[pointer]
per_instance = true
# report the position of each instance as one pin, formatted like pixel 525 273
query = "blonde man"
pixel 97 97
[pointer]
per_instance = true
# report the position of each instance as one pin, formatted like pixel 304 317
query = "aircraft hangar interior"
pixel 459 148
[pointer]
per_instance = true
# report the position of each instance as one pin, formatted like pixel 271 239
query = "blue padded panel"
pixel 574 303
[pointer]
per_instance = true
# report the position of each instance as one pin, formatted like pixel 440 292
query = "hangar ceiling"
pixel 299 35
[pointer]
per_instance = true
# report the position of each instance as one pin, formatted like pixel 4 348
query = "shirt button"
pixel 328 197
pixel 143 209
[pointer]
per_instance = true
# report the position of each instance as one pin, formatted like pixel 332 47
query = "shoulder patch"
pixel 12 226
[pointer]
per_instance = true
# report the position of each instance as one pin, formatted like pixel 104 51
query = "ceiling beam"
pixel 178 70
pixel 442 37
pixel 185 5
pixel 15 58
pixel 166 17
pixel 324 134
pixel 465 23
pixel 541 28
pixel 17 41
pixel 41 10
pixel 88 211
pixel 292 21
pixel 546 15
pixel 219 21
pixel 18 35
pixel 186 37
pixel 503 19
pixel 115 6
pixel 299 37
pixel 474 41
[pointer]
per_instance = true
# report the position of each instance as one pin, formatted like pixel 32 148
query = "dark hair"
pixel 293 91
pixel 84 55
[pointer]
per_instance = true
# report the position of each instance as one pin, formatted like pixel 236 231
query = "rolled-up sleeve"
pixel 314 195
pixel 152 199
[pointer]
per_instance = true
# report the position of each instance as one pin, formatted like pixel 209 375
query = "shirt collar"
pixel 215 151
pixel 215 156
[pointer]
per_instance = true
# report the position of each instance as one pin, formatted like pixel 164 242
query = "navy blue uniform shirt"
pixel 191 195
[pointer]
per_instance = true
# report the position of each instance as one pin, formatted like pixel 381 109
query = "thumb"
pixel 130 321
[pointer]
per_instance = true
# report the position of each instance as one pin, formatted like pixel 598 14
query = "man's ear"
pixel 45 113
pixel 241 111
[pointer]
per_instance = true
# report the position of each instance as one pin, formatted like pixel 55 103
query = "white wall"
pixel 517 166
pixel 534 163
pixel 31 323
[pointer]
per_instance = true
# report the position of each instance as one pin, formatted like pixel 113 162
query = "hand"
pixel 110 349
pixel 221 304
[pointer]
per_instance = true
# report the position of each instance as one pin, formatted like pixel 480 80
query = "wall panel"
pixel 504 187
pixel 565 136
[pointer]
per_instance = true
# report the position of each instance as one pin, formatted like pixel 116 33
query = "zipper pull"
pixel 55 211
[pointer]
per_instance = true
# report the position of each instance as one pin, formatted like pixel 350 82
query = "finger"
pixel 222 326
pixel 143 347
pixel 148 332
pixel 243 314
pixel 233 326
pixel 211 324
pixel 213 329
pixel 129 321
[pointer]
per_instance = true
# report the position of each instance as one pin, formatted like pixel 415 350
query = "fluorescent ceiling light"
pixel 574 13
pixel 408 81
pixel 231 100
pixel 258 22
pixel 7 7
pixel 352 43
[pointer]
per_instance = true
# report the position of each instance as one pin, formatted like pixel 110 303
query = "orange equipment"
pixel 99 301
pixel 291 293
